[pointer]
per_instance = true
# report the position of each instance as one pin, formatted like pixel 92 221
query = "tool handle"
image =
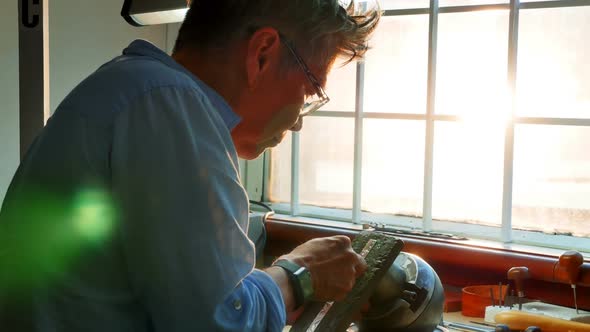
pixel 518 274
pixel 568 267
pixel 518 320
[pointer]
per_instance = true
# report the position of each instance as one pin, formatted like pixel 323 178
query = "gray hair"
pixel 321 30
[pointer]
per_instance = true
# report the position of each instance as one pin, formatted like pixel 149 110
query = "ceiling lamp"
pixel 151 12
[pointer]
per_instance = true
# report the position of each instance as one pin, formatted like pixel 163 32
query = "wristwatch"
pixel 300 279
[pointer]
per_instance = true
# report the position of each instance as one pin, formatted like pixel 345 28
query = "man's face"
pixel 273 111
pixel 278 126
pixel 270 103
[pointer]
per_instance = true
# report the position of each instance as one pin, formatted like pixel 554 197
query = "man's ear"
pixel 263 51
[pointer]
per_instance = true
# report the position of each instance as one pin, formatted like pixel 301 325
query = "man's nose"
pixel 298 125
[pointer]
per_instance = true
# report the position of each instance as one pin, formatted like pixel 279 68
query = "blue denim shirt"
pixel 127 213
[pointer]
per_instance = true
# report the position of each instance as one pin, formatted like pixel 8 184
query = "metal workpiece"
pixel 380 251
pixel 318 319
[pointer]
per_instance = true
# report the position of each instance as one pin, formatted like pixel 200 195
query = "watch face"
pixel 305 281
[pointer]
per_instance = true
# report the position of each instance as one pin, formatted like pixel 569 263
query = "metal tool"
pixel 532 329
pixel 507 297
pixel 482 323
pixel 500 293
pixel 467 327
pixel 318 319
pixel 496 327
pixel 518 274
pixel 568 268
pixel 492 297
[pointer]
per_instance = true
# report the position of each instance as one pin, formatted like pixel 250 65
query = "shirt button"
pixel 237 304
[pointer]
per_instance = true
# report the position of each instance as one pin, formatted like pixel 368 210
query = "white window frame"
pixel 507 235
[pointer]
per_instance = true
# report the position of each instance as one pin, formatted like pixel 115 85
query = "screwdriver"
pixel 518 274
pixel 569 263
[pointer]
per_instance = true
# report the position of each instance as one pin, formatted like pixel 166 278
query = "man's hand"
pixel 333 264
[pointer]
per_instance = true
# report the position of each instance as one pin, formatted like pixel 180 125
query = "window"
pixel 472 117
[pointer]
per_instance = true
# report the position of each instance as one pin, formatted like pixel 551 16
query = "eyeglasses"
pixel 315 101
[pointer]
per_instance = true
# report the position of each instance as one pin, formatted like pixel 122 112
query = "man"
pixel 127 213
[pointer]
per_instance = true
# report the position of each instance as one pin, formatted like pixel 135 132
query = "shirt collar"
pixel 144 48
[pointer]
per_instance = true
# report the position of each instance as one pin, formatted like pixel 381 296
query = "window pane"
pixel 448 3
pixel 393 166
pixel 407 4
pixel 403 4
pixel 326 162
pixel 396 66
pixel 468 172
pixel 553 67
pixel 472 64
pixel 280 172
pixel 341 88
pixel 552 179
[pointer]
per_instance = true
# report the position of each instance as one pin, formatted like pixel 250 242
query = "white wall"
pixel 83 34
pixel 172 33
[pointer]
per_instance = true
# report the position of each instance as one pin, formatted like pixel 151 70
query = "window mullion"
pixel 358 143
pixel 506 234
pixel 295 173
pixel 553 4
pixel 266 170
pixel 431 93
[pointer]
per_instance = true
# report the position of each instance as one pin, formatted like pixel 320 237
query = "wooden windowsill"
pixel 456 264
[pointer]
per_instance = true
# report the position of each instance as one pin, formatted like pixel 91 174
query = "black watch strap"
pixel 300 280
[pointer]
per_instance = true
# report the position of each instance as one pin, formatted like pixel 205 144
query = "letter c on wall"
pixel 25 14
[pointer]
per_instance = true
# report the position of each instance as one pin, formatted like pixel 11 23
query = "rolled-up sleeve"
pixel 183 218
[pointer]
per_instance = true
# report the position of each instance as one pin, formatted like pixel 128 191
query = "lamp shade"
pixel 151 12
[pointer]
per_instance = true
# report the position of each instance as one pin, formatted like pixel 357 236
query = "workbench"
pixel 448 316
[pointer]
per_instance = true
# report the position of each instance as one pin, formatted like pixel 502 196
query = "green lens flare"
pixel 93 216
pixel 43 234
